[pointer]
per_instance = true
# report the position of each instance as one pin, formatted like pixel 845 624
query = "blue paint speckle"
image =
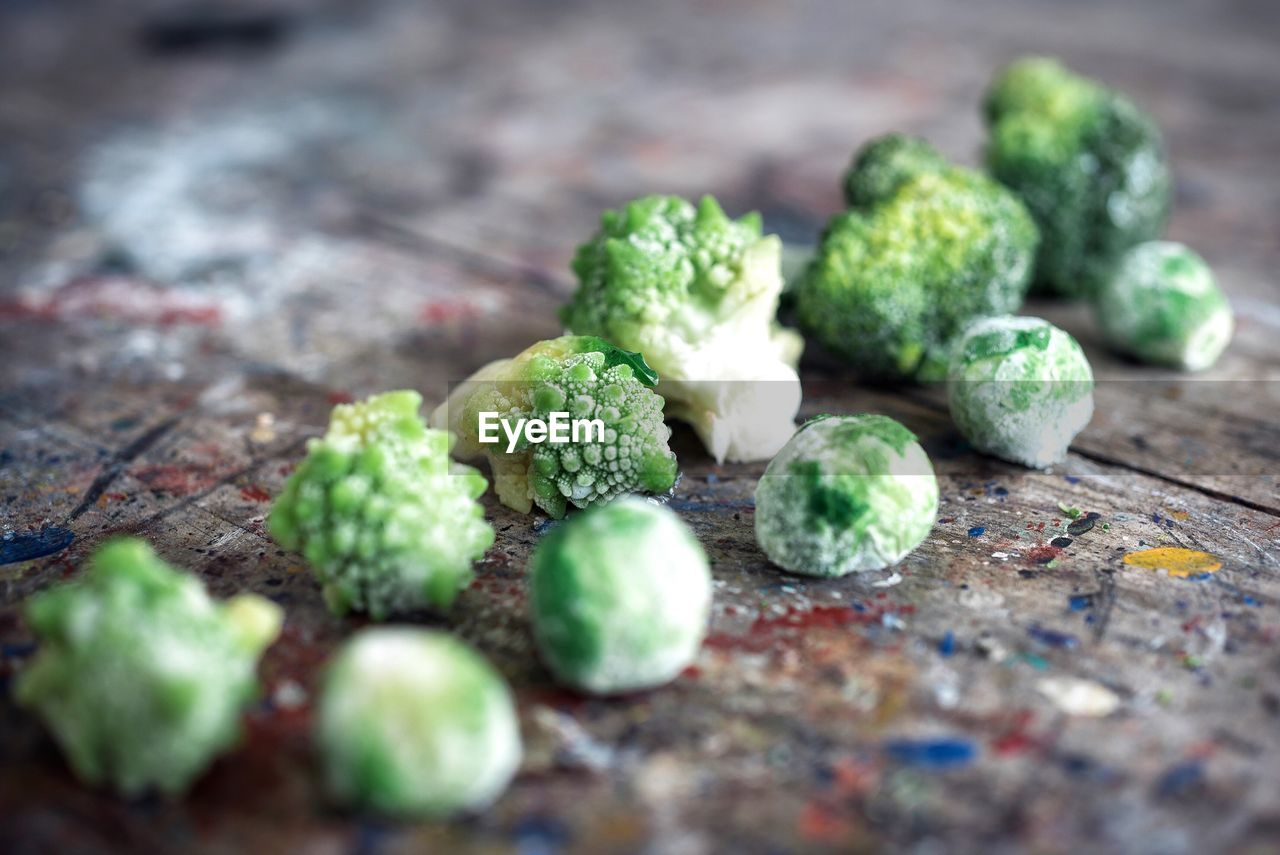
pixel 977 531
pixel 1080 602
pixel 25 547
pixel 947 645
pixel 1052 637
pixel 1180 779
pixel 931 753
pixel 1071 479
pixel 541 527
pixel 540 835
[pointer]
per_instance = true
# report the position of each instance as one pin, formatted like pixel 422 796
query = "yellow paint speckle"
pixel 1174 560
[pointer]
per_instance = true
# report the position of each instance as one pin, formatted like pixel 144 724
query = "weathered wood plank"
pixel 401 215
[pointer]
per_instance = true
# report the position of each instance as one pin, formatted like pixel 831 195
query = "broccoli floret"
pixel 412 722
pixel 1089 164
pixel 1162 305
pixel 619 597
pixel 924 248
pixel 846 494
pixel 140 676
pixel 585 378
pixel 697 293
pixel 387 522
pixel 1020 388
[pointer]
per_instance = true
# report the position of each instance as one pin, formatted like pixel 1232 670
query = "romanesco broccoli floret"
pixel 387 522
pixel 925 247
pixel 697 293
pixel 586 379
pixel 1089 164
pixel 141 677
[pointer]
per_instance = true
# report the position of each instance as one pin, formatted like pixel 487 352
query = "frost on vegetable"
pixel 412 722
pixel 1089 164
pixel 140 676
pixel 619 597
pixel 1020 389
pixel 697 293
pixel 586 378
pixel 845 495
pixel 924 248
pixel 1161 304
pixel 387 522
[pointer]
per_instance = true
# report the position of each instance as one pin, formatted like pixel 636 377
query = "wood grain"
pixel 203 249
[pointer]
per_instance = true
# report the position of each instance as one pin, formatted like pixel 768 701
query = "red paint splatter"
pixel 119 298
pixel 337 396
pixel 447 311
pixel 1043 554
pixel 1016 739
pixel 176 480
pixel 819 822
pixel 768 631
pixel 254 493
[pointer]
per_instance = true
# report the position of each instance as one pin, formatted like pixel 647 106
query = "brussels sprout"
pixel 619 597
pixel 846 494
pixel 413 722
pixel 1020 389
pixel 1161 304
pixel 140 676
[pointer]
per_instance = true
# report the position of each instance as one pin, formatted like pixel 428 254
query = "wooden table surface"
pixel 213 229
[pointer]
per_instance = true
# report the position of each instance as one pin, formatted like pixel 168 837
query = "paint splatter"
pixel 1052 637
pixel 1084 524
pixel 37 544
pixel 1176 561
pixel 255 493
pixel 1043 554
pixel 931 753
pixel 1079 697
pixel 977 531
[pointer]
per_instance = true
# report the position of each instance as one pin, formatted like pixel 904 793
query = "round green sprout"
pixel 1162 305
pixel 387 522
pixel 412 722
pixel 697 293
pixel 585 379
pixel 925 248
pixel 619 597
pixel 847 494
pixel 141 677
pixel 1089 164
pixel 1020 389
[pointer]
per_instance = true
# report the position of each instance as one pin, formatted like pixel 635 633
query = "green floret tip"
pixel 697 293
pixel 925 248
pixel 140 676
pixel 385 520
pixel 847 494
pixel 1089 164
pixel 587 379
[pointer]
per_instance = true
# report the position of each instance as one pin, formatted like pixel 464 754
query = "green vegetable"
pixel 1089 164
pixel 587 378
pixel 412 722
pixel 619 597
pixel 846 494
pixel 924 248
pixel 1162 305
pixel 696 293
pixel 140 676
pixel 1020 389
pixel 387 522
